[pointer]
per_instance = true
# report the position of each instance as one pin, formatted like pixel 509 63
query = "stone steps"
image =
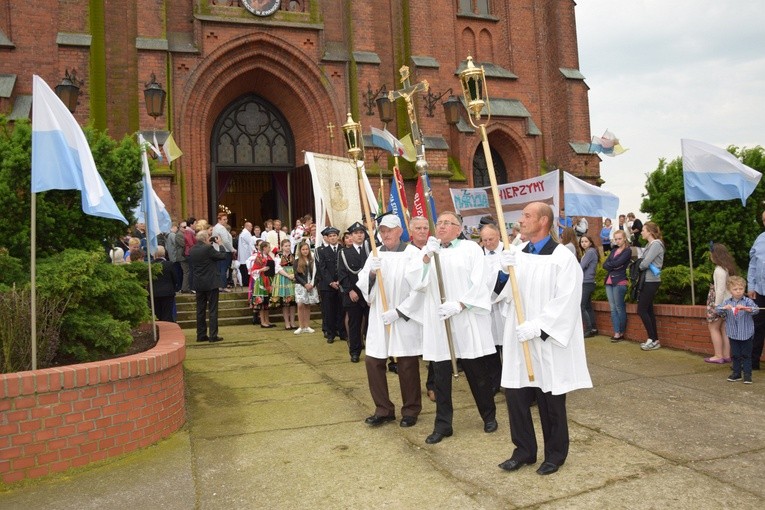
pixel 233 309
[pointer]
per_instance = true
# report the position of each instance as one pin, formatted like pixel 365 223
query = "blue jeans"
pixel 615 294
pixel 741 352
pixel 588 315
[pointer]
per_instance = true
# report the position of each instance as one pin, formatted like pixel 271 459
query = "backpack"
pixel 637 278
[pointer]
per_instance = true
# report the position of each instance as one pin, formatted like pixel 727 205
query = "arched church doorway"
pixel 481 168
pixel 253 175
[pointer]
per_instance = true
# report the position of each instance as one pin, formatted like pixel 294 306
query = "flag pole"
pixel 690 252
pixel 33 271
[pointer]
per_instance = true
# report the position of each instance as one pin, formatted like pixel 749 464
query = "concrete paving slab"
pixel 275 420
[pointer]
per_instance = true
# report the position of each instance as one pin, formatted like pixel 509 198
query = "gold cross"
pixel 331 126
pixel 406 93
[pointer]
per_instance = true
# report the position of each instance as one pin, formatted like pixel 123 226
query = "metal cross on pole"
pixel 407 92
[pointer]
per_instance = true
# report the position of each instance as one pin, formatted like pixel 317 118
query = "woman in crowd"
pixel 568 239
pixel 725 266
pixel 589 265
pixel 305 290
pixel 653 260
pixel 261 267
pixel 616 283
pixel 605 236
pixel 283 292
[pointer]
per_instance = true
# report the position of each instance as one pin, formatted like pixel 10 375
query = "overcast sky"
pixel 662 70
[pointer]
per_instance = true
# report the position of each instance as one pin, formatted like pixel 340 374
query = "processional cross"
pixel 407 92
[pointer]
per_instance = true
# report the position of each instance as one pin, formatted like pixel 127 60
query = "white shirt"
pixel 492 268
pixel 464 276
pixel 550 288
pixel 405 338
pixel 245 246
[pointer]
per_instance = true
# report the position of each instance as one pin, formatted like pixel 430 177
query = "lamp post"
pixel 69 89
pixel 370 97
pixel 431 99
pixel 154 96
pixel 473 81
pixel 355 144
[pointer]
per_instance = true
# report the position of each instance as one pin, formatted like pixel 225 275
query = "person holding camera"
pixel 203 259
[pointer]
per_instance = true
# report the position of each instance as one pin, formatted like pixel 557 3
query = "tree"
pixel 61 223
pixel 725 222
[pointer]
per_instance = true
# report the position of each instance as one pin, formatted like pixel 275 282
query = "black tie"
pixel 491 252
pixel 358 250
pixel 334 250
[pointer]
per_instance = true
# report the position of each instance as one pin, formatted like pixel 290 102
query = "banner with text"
pixel 474 203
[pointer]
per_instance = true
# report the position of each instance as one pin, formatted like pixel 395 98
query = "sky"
pixel 662 70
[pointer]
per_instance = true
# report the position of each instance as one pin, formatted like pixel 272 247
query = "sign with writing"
pixel 261 7
pixel 474 203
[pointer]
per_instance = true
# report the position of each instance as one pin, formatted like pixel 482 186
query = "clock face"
pixel 261 7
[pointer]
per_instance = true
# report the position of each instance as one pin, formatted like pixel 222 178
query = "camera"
pixel 213 239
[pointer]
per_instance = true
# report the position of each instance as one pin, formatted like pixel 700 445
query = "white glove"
pixel 375 263
pixel 508 258
pixel 449 309
pixel 432 246
pixel 527 330
pixel 390 316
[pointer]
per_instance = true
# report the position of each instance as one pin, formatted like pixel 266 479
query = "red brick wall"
pixel 59 418
pixel 680 326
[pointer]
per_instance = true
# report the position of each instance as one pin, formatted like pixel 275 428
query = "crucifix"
pixel 407 92
pixel 331 126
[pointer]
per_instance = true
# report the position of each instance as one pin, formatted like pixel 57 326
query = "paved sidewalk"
pixel 276 421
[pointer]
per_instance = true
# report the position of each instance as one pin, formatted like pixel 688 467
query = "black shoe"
pixel 203 339
pixel 374 420
pixel 393 367
pixel 547 468
pixel 216 339
pixel 436 437
pixel 268 326
pixel 514 465
pixel 490 426
pixel 408 421
pixel 354 358
pixel 330 339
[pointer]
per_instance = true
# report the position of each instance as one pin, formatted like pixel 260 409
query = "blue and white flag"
pixel 711 173
pixel 151 210
pixel 61 156
pixel 584 199
pixel 384 139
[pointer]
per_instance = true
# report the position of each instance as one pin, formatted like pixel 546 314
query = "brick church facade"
pixel 253 84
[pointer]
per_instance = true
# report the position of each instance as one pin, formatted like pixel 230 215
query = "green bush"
pixel 12 272
pixel 105 302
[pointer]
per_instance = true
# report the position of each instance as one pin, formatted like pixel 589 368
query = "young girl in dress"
pixel 305 290
pixel 725 266
pixel 261 266
pixel 283 291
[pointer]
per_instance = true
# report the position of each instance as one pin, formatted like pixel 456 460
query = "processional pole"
pixel 473 80
pixel 422 171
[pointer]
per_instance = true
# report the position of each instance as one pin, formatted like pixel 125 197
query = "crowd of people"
pixel 493 312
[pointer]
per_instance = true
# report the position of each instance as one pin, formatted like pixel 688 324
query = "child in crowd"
pixel 283 291
pixel 738 310
pixel 261 267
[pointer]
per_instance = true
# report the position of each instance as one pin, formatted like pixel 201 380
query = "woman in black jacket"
pixel 616 283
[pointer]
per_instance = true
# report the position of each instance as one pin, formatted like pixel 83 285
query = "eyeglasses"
pixel 444 223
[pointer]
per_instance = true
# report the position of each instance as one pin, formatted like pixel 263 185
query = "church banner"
pixel 474 203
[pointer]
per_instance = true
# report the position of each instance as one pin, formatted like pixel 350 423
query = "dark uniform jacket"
pixel 203 259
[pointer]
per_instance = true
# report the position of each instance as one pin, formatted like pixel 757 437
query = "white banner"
pixel 474 203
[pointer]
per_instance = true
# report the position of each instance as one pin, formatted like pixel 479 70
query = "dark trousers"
pixel 245 276
pixel 357 313
pixel 588 314
pixel 552 415
pixel 741 354
pixel 759 332
pixel 164 307
pixel 494 369
pixel 480 386
pixel 223 266
pixel 332 314
pixel 645 309
pixel 178 275
pixel 207 301
pixel 409 382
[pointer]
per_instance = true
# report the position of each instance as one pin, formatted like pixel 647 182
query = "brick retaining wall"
pixel 680 326
pixel 59 418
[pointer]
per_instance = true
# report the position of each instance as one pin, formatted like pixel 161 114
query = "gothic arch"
pixel 508 153
pixel 252 64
